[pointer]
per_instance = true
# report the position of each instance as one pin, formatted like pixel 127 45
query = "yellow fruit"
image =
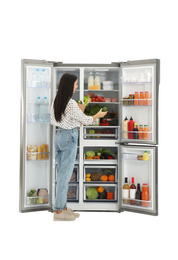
pixel 88 179
pixel 88 175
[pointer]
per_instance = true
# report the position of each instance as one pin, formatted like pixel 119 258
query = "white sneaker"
pixel 72 213
pixel 63 216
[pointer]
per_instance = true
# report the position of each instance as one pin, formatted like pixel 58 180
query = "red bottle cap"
pixel 132 179
pixel 145 184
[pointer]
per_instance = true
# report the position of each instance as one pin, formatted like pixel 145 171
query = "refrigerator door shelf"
pixel 38 118
pixel 110 193
pixel 130 102
pixel 37 201
pixel 148 136
pixel 38 156
pixel 38 84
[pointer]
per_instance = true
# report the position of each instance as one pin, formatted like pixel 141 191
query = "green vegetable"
pixel 92 193
pixel 105 152
pixel 86 100
pixel 92 110
pixel 79 101
pixel 104 109
pixel 90 154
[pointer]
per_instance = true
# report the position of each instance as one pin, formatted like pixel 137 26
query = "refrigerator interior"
pixel 138 101
pixel 37 137
pixel 143 173
pixel 77 198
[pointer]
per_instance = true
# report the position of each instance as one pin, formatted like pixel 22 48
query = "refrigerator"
pixel 131 90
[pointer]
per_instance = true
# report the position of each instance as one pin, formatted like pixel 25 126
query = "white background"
pixel 92 32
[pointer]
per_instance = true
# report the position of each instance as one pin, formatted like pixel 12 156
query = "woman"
pixel 68 116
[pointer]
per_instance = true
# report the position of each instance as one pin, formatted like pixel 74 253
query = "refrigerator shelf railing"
pixel 100 161
pixel 130 102
pixel 129 156
pixel 142 139
pixel 109 103
pixel 38 118
pixel 135 82
pixel 38 156
pixel 101 90
pixel 38 84
pixel 110 132
pixel 138 203
pixel 37 200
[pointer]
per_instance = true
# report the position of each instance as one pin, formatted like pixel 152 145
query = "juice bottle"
pixel 145 134
pixel 125 128
pixel 146 101
pixel 145 195
pixel 145 156
pixel 136 99
pixel 140 133
pixel 130 128
pixel 140 102
pixel 90 80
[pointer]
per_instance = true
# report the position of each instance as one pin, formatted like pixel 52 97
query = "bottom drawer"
pixel 96 193
pixel 73 194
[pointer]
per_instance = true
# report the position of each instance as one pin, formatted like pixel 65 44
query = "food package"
pixel 32 152
pixel 43 195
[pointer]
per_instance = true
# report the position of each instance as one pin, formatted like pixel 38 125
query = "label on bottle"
pixel 125 193
pixel 132 193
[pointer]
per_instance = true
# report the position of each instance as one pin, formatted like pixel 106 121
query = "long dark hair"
pixel 65 92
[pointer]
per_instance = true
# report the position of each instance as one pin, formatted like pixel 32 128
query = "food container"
pixel 108 83
pixel 108 87
pixel 107 99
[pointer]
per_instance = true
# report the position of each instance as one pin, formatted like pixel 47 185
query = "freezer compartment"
pixel 38 77
pixel 100 132
pixel 100 155
pixel 73 193
pixel 100 174
pixel 138 162
pixel 97 193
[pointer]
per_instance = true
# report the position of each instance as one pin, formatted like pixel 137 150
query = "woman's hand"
pixel 101 114
pixel 81 106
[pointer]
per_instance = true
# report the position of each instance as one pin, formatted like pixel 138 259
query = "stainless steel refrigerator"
pixel 130 89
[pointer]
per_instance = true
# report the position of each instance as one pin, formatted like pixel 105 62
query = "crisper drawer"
pixel 74 177
pixel 97 193
pixel 39 197
pixel 100 174
pixel 73 193
pixel 100 132
pixel 100 155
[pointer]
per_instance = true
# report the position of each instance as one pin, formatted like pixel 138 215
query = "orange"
pixel 111 177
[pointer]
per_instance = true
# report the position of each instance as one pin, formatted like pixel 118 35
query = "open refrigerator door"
pixel 139 102
pixel 35 147
pixel 139 179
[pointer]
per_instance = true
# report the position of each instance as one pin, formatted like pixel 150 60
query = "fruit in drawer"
pixel 92 131
pixel 88 175
pixel 111 177
pixel 104 178
pixel 95 176
pixel 88 179
pixel 103 195
pixel 100 189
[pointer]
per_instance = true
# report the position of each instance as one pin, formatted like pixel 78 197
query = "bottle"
pixel 125 128
pixel 37 78
pixel 145 156
pixel 90 80
pixel 43 78
pixel 136 99
pixel 138 195
pixel 37 109
pixel 132 192
pixel 145 195
pixel 145 134
pixel 140 102
pixel 135 134
pixel 146 101
pixel 130 128
pixel 140 133
pixel 97 80
pixel 46 109
pixel 125 192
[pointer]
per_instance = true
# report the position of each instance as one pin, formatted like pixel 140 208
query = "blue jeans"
pixel 66 151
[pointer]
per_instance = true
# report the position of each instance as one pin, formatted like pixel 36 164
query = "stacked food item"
pixel 36 152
